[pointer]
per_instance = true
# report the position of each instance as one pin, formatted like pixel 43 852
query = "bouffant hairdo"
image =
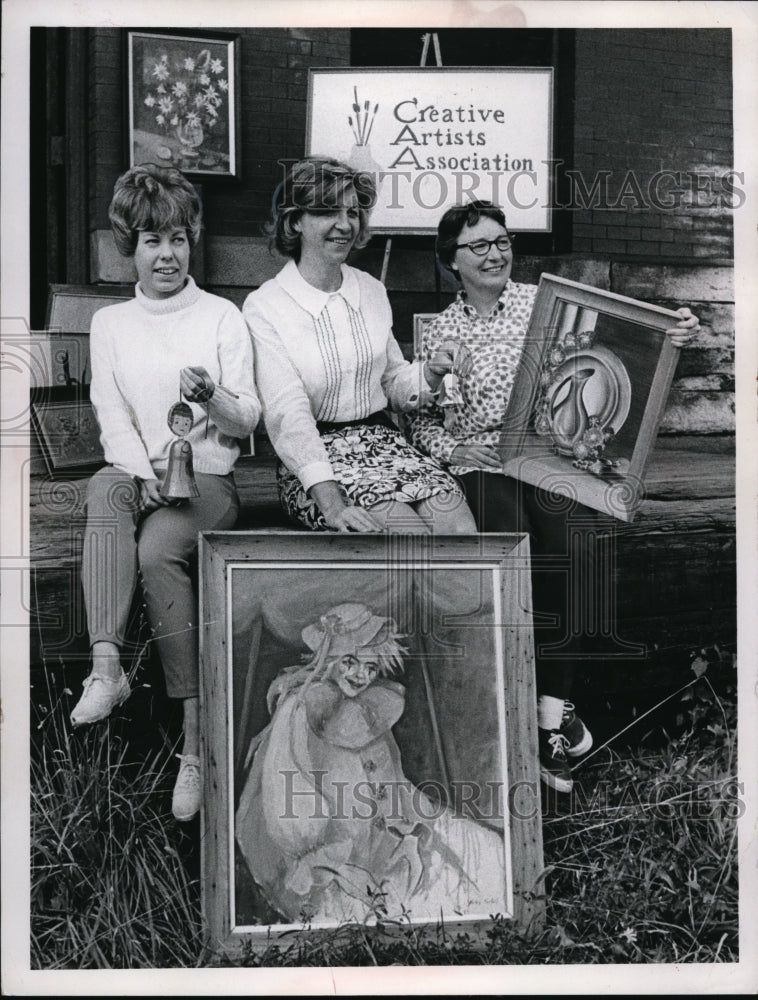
pixel 317 184
pixel 153 199
pixel 452 223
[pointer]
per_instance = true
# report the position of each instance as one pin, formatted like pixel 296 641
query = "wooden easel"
pixel 433 38
pixel 429 38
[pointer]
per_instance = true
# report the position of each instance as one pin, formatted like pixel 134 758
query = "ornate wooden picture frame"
pixel 336 797
pixel 589 395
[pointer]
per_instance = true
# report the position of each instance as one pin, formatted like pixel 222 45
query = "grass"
pixel 648 851
pixel 641 861
pixel 112 883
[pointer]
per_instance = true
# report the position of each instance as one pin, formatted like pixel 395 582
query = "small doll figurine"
pixel 180 479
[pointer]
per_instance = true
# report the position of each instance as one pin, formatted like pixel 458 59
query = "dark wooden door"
pixel 58 251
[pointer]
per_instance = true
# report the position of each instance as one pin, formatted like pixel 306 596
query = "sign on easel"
pixel 437 137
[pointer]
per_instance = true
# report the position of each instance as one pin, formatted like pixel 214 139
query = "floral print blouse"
pixel 495 344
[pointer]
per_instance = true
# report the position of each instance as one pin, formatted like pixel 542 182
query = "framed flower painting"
pixel 183 97
pixel 589 395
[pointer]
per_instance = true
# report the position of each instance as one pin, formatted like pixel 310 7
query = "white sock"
pixel 549 712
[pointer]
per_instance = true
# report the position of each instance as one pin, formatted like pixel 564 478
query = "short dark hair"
pixel 452 222
pixel 180 409
pixel 153 199
pixel 316 184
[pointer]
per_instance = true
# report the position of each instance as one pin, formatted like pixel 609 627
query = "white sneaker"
pixel 187 796
pixel 100 696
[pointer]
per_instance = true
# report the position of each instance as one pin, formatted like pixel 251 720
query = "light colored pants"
pixel 123 544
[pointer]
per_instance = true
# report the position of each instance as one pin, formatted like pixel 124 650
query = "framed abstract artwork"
pixel 589 395
pixel 58 360
pixel 183 101
pixel 68 434
pixel 370 741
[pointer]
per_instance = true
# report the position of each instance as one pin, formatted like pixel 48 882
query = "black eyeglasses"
pixel 482 247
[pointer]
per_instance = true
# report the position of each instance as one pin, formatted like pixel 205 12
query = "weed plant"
pixel 640 861
pixel 643 868
pixel 111 870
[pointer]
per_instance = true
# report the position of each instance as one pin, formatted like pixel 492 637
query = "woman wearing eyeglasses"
pixel 485 328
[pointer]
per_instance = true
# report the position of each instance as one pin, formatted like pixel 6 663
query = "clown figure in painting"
pixel 327 822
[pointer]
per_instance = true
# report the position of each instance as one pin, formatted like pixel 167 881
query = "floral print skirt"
pixel 371 463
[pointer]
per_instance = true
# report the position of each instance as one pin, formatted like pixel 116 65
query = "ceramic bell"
pixel 179 483
pixel 450 391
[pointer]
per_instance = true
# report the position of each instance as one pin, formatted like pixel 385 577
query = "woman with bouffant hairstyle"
pixel 170 340
pixel 152 197
pixel 328 368
pixel 306 189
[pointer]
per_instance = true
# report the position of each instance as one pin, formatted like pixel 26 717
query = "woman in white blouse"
pixel 328 366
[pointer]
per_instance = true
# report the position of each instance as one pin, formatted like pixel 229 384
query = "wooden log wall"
pixel 674 570
pixel 675 564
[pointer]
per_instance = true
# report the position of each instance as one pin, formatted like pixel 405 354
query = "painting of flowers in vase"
pixel 182 102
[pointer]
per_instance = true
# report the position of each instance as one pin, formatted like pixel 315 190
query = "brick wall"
pixel 273 90
pixel 107 147
pixel 649 101
pixel 652 124
pixel 645 102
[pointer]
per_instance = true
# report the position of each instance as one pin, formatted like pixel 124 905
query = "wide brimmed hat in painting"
pixel 349 627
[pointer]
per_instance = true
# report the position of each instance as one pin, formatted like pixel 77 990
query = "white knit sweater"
pixel 327 356
pixel 137 351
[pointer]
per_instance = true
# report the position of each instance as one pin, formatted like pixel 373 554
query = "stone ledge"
pixel 685 531
pixel 705 282
pixel 699 412
pixel 245 262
